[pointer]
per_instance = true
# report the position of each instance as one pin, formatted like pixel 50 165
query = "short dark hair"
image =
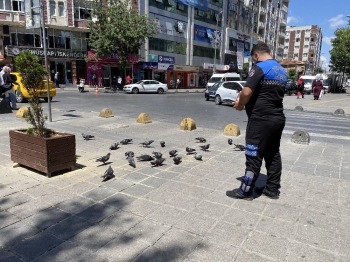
pixel 260 47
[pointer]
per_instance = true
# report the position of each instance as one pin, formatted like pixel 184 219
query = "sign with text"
pixel 51 53
pixel 162 66
pixel 200 4
pixel 166 59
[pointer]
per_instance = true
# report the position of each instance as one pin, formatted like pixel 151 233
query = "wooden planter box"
pixel 43 154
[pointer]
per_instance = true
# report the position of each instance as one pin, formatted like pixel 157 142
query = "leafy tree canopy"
pixel 292 74
pixel 118 28
pixel 340 53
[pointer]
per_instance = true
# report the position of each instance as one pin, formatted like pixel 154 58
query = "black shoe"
pixel 236 193
pixel 271 194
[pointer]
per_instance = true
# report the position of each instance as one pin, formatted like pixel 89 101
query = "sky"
pixel 327 14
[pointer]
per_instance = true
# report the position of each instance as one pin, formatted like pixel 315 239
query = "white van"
pixel 223 78
pixel 308 83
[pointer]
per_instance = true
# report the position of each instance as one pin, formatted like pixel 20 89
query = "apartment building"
pixel 303 43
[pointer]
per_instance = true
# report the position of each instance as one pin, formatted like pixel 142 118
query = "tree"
pixel 292 74
pixel 119 29
pixel 318 70
pixel 340 53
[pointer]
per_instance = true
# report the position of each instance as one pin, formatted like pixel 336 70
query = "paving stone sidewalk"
pixel 172 212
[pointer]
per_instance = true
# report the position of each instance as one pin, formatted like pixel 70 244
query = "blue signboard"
pixel 200 4
pixel 202 34
pixel 148 65
pixel 166 59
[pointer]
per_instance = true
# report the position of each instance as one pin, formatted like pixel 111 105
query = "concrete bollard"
pixel 22 112
pixel 301 137
pixel 298 108
pixel 144 118
pixel 106 112
pixel 188 124
pixel 232 130
pixel 339 112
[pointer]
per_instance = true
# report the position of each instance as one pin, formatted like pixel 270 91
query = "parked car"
pixel 211 91
pixel 22 94
pixel 146 86
pixel 290 88
pixel 227 92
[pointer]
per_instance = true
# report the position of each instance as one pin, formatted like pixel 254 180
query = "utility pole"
pixel 216 40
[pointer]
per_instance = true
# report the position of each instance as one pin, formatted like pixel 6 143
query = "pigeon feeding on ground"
pixel 197 156
pixel 157 154
pixel 87 137
pixel 162 143
pixel 103 159
pixel 172 153
pixel 126 141
pixel 201 139
pixel 114 146
pixel 147 143
pixel 157 162
pixel 205 147
pixel 131 161
pixel 129 154
pixel 190 150
pixel 177 160
pixel 145 158
pixel 239 147
pixel 229 141
pixel 109 174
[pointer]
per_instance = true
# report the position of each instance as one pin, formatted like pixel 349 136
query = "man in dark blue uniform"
pixel 262 97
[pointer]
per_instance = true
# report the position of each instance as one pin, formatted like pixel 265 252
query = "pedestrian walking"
pixel 262 98
pixel 178 81
pixel 120 80
pixel 127 79
pixel 56 80
pixel 317 88
pixel 300 88
pixel 114 83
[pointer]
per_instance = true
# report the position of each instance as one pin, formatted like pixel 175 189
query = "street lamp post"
pixel 216 40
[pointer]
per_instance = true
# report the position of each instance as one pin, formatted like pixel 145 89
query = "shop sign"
pixel 186 68
pixel 114 57
pixel 51 53
pixel 200 4
pixel 152 58
pixel 208 66
pixel 148 65
pixel 162 66
pixel 204 34
pixel 166 59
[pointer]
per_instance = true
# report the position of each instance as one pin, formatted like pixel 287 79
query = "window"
pixel 312 47
pixel 312 39
pixel 16 5
pixel 286 48
pixel 7 5
pixel 311 55
pixel 52 8
pixel 287 33
pixel 296 47
pixel 181 7
pixel 285 55
pixel 307 39
pixel 307 31
pixel 286 40
pixel 297 40
pixel 60 9
pixel 298 31
pixel 296 55
pixel 304 54
pixel 306 46
pixel 82 10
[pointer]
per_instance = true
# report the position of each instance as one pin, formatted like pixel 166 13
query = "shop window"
pixel 75 43
pixel 51 43
pixel 37 41
pixel 6 40
pixel 17 6
pixel 60 42
pixel 52 8
pixel 13 39
pixel 82 10
pixel 60 9
pixel 25 39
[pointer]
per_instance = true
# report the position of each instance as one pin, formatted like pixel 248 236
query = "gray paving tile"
pixel 16 232
pixel 276 227
pixel 118 184
pixel 13 200
pixel 166 215
pixel 195 191
pixel 228 233
pixel 99 193
pixel 141 207
pixel 195 223
pixel 160 196
pixel 75 204
pixel 6 190
pixel 154 182
pixel 7 219
pixel 285 212
pixel 209 209
pixel 6 256
pixel 184 202
pixel 138 190
pixel 119 201
pixel 170 253
pixel 81 187
pixel 302 252
pixel 121 221
pixel 240 218
pixel 96 213
pixel 39 190
pixel 28 208
pixel 166 174
pixel 135 177
pixel 344 242
pixel 245 255
pixel 46 218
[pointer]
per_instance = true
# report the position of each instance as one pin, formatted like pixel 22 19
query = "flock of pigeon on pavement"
pixel 156 159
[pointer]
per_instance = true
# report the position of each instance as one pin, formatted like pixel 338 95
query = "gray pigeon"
pixel 205 147
pixel 197 156
pixel 239 147
pixel 103 159
pixel 109 174
pixel 172 153
pixel 129 153
pixel 162 143
pixel 87 137
pixel 131 161
pixel 157 162
pixel 201 139
pixel 126 141
pixel 147 143
pixel 157 154
pixel 190 150
pixel 177 160
pixel 145 158
pixel 114 146
pixel 229 141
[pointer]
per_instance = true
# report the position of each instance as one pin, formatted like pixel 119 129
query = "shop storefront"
pixel 189 76
pixel 70 64
pixel 208 70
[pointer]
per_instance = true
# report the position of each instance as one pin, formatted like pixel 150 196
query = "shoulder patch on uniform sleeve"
pixel 251 72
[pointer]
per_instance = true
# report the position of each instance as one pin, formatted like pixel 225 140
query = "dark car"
pixel 291 88
pixel 211 91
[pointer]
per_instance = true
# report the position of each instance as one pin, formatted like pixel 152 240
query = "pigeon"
pixel 197 156
pixel 172 153
pixel 126 141
pixel 229 141
pixel 131 161
pixel 157 162
pixel 177 160
pixel 162 143
pixel 205 147
pixel 109 174
pixel 103 159
pixel 157 154
pixel 145 158
pixel 239 147
pixel 201 139
pixel 129 153
pixel 87 137
pixel 190 150
pixel 114 146
pixel 147 143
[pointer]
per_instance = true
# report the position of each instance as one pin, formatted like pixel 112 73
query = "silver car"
pixel 227 92
pixel 146 86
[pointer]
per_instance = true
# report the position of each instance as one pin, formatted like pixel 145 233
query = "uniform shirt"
pixel 268 80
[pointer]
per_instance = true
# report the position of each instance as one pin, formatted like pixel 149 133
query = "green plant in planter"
pixel 33 74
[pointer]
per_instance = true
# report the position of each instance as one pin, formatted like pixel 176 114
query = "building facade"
pixel 304 43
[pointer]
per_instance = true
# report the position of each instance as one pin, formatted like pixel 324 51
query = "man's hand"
pixel 236 104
